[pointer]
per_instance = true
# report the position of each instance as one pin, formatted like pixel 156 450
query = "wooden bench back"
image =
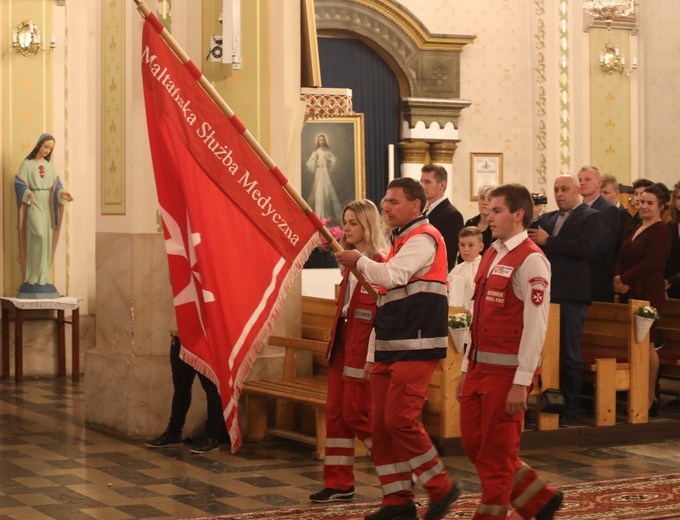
pixel 609 331
pixel 317 322
pixel 317 318
pixel 669 324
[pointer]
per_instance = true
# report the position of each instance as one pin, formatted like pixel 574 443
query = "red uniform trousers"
pixel 490 437
pixel 348 407
pixel 400 443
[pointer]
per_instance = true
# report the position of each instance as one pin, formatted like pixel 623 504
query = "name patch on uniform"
pixel 361 314
pixel 502 270
pixel 495 297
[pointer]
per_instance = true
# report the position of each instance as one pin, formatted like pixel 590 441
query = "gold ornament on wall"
pixel 26 39
pixel 612 59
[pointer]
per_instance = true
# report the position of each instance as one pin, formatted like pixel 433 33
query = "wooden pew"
pixel 550 368
pixel 441 413
pixel 299 398
pixel 669 329
pixel 615 360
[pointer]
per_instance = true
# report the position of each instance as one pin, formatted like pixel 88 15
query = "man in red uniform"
pixel 411 337
pixel 510 317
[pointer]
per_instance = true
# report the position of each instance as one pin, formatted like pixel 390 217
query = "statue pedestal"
pixel 38 333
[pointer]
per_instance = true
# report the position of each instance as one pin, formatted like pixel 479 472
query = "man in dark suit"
pixel 610 191
pixel 440 212
pixel 602 261
pixel 569 237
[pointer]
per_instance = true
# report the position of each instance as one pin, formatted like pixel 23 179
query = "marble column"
pixel 413 155
pixel 128 383
pixel 442 153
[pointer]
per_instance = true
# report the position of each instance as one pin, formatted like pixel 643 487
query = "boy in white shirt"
pixel 462 277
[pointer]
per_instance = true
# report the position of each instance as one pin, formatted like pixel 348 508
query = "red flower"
pixel 335 231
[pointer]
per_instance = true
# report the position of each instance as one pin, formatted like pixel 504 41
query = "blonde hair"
pixel 485 188
pixel 471 231
pixel 369 219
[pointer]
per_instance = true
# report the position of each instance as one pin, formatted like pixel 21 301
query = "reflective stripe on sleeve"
pixel 418 286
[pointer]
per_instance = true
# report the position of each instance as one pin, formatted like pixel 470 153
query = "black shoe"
pixel 438 509
pixel 405 512
pixel 654 409
pixel 530 418
pixel 332 495
pixel 567 420
pixel 165 440
pixel 548 511
pixel 205 445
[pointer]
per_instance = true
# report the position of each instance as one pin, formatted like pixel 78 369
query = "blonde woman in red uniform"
pixel 348 403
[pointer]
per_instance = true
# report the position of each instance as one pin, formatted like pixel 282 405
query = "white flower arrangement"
pixel 646 311
pixel 460 320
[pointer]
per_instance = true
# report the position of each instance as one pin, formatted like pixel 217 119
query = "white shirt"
pixel 414 259
pixel 430 207
pixel 462 283
pixel 530 275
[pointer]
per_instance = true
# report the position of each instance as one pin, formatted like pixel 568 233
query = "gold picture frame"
pixel 485 168
pixel 333 175
pixel 311 67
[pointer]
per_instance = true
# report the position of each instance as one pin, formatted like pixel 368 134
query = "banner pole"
pixel 255 145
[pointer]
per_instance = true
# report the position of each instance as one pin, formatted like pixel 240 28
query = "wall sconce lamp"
pixel 26 39
pixel 611 58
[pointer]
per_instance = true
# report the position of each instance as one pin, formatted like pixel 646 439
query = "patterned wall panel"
pixel 660 70
pixel 246 90
pixel 113 108
pixel 610 114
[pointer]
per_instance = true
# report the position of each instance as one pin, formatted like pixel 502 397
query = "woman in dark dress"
pixel 672 271
pixel 481 221
pixel 639 270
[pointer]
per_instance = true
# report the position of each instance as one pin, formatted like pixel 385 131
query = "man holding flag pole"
pixel 217 187
pixel 411 337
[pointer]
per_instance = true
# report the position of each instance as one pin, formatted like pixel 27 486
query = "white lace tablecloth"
pixel 65 303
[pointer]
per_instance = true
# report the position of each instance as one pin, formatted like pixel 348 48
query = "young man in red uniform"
pixel 510 317
pixel 411 337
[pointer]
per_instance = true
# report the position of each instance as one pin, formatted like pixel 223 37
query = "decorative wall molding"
pixel 427 65
pixel 565 104
pixel 626 23
pixel 431 110
pixel 541 135
pixel 326 102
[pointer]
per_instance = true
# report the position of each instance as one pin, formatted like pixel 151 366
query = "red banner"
pixel 235 239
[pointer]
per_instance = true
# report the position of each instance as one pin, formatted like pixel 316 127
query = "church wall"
pixel 496 77
pixel 659 73
pixel 533 56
